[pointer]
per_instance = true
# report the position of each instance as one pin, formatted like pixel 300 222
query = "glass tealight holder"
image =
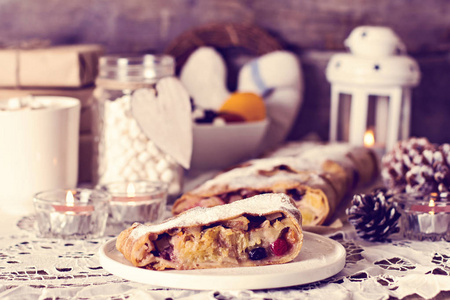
pixel 135 201
pixel 71 214
pixel 424 217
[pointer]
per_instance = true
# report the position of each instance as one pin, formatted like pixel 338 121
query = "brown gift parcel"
pixel 56 66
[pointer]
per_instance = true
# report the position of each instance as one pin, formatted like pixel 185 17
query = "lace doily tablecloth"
pixel 35 268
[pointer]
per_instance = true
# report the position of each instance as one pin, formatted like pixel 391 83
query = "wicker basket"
pixel 249 38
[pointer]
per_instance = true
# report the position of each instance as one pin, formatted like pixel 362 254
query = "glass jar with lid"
pixel 122 152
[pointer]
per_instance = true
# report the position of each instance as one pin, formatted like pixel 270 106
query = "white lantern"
pixel 371 89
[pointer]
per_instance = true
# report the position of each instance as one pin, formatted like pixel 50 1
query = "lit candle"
pixel 424 216
pixel 369 142
pixel 131 195
pixel 369 138
pixel 139 201
pixel 70 207
pixel 432 218
pixel 79 213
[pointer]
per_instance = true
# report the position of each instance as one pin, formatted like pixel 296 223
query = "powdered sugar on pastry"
pixel 308 159
pixel 256 205
pixel 293 148
pixel 248 176
pixel 335 151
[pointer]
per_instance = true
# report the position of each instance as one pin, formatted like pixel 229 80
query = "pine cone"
pixel 373 216
pixel 409 167
pixel 441 167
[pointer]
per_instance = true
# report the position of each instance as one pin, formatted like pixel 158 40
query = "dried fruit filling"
pixel 296 194
pixel 279 247
pixel 231 242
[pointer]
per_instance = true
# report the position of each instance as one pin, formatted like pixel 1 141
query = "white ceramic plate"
pixel 319 258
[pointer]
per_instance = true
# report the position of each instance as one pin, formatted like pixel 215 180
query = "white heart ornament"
pixel 164 116
pixel 204 77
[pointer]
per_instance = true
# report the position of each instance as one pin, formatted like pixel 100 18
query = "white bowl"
pixel 218 147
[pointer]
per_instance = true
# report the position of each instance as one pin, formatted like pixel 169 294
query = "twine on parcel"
pixel 23 45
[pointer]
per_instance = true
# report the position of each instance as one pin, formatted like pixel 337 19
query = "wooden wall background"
pixel 312 29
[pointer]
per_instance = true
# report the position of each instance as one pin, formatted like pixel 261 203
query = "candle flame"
pixel 369 138
pixel 131 191
pixel 431 204
pixel 70 201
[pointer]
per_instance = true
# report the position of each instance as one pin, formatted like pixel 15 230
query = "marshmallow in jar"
pixel 122 151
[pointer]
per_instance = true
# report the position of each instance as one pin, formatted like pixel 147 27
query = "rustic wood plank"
pixel 138 25
pixel 309 28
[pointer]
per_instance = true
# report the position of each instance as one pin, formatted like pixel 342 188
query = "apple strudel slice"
pixel 312 193
pixel 359 163
pixel 260 230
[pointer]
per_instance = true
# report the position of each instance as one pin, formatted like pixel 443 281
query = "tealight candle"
pixel 135 201
pixel 369 142
pixel 71 214
pixel 424 217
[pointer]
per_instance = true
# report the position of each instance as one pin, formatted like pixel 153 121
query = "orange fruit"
pixel 249 106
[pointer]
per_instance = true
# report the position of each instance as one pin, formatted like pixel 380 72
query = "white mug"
pixel 38 150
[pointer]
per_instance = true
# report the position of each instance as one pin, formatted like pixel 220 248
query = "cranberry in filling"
pixel 279 247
